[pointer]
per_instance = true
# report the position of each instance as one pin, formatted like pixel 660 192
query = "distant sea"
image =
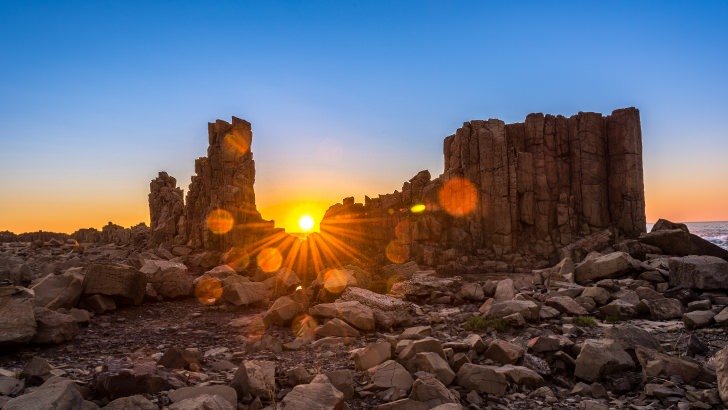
pixel 716 232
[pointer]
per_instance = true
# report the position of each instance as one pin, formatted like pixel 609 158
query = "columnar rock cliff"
pixel 219 211
pixel 166 210
pixel 510 189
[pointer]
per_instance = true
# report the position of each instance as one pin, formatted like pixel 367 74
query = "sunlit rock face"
pixel 166 211
pixel 514 192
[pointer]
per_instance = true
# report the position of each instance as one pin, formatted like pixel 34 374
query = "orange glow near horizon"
pixel 679 200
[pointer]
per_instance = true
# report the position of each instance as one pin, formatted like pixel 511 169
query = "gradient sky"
pixel 345 98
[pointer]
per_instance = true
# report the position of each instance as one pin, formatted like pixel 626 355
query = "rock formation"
pixel 166 211
pixel 219 211
pixel 136 235
pixel 509 191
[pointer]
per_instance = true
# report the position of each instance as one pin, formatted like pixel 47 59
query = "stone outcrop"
pixel 527 188
pixel 222 191
pixel 166 211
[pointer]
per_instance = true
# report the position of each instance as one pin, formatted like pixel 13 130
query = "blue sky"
pixel 346 98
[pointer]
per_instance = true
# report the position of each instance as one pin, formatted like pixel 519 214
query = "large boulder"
pixel 283 311
pixel 391 374
pixel 352 312
pixel 59 291
pixel 17 319
pixel 255 377
pixel 599 358
pixel 53 327
pixel 240 291
pixel 721 371
pixel 56 393
pixel 675 239
pixel 483 379
pixel 169 279
pixel 388 311
pixel 607 266
pixel 526 308
pixel 121 282
pixel 699 272
pixel 320 394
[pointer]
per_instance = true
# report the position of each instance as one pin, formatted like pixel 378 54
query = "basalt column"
pixel 540 185
pixel 220 207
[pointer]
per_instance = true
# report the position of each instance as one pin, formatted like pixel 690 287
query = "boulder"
pixel 388 311
pixel 283 311
pixel 528 309
pixel 390 374
pixel 17 319
pixel 721 372
pixel 504 290
pixel 372 355
pixel 169 279
pixel 434 364
pixel 663 309
pixel 655 364
pixel 629 337
pixel 239 291
pixel 336 327
pixel 483 379
pixel 352 312
pixel 123 283
pixel 177 358
pixel 566 305
pixel 561 272
pixel 255 377
pixel 320 395
pixel 608 266
pixel 59 291
pixel 53 327
pixel 119 380
pixel 204 402
pixel 343 380
pixel 599 358
pixel 136 402
pixel 57 393
pixel 184 393
pixel 675 239
pixel 521 375
pixel 618 310
pixel 504 352
pixel 699 272
pixel 698 319
pixel 432 392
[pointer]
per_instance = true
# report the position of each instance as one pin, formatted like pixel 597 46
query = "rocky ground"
pixel 624 328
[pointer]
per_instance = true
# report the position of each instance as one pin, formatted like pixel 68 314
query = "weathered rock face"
pixel 524 188
pixel 223 190
pixel 166 211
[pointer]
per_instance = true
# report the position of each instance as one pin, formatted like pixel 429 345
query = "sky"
pixel 346 98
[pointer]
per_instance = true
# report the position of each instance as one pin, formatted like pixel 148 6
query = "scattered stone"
pixel 504 352
pixel 17 320
pixel 255 377
pixel 434 364
pixel 391 374
pixel 699 272
pixel 483 379
pixel 609 266
pixel 59 291
pixel 372 355
pixel 226 392
pixel 136 402
pixel 123 283
pixel 599 358
pixel 337 328
pixel 352 312
pixel 56 393
pixel 283 311
pixel 53 327
pixel 698 319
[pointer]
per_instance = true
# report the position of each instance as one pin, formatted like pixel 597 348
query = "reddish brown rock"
pixel 524 188
pixel 166 211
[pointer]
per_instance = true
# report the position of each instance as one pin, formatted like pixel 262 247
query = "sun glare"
pixel 306 223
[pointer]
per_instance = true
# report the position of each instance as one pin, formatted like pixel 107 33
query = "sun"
pixel 306 222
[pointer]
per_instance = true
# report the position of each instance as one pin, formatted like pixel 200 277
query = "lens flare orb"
pixel 220 221
pixel 269 260
pixel 458 197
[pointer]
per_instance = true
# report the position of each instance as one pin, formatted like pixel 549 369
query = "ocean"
pixel 716 232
